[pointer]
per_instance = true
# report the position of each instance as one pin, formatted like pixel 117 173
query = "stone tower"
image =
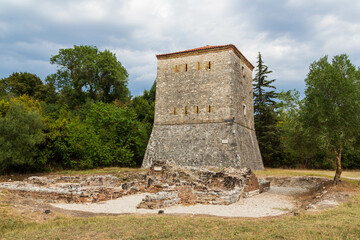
pixel 204 110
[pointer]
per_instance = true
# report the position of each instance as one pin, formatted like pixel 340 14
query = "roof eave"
pixel 206 50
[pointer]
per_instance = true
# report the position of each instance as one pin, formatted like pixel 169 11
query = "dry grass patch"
pixel 339 223
pixel 305 172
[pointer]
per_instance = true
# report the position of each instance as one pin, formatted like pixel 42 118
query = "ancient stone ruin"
pixel 77 189
pixel 204 110
pixel 175 184
pixel 166 184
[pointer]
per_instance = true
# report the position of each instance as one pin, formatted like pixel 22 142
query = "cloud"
pixel 290 34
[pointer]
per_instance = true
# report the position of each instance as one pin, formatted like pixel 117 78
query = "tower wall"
pixel 204 112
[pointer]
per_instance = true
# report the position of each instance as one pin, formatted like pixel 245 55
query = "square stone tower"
pixel 204 110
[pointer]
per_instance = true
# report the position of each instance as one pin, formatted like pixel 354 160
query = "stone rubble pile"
pixel 75 188
pixel 167 184
pixel 189 185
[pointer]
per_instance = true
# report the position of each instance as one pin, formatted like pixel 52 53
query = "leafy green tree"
pixel 29 84
pixel 119 128
pixel 144 106
pixel 300 150
pixel 20 132
pixel 97 135
pixel 267 131
pixel 150 95
pixel 332 105
pixel 85 72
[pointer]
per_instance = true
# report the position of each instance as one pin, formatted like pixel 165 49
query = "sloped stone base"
pixel 226 144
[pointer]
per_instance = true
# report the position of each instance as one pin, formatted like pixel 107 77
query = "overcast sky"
pixel 289 34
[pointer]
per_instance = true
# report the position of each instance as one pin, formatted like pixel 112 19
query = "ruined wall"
pixel 204 112
pixel 172 185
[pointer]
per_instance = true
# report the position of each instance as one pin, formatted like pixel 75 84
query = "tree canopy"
pixel 20 131
pixel 85 72
pixel 25 83
pixel 332 105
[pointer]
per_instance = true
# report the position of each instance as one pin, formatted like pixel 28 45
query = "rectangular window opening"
pixel 208 65
pixel 177 68
pixel 186 110
pixel 197 110
pixel 198 66
pixel 174 111
pixel 186 67
pixel 210 109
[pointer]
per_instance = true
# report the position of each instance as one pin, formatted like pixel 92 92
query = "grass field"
pixel 342 222
pixel 304 172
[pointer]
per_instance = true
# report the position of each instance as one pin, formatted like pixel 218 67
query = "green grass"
pixel 110 170
pixel 340 223
pixel 346 176
pixel 305 172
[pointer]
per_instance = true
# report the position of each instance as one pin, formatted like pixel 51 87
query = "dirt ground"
pixel 287 195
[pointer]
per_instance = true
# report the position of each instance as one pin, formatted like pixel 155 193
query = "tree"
pixel 144 107
pixel 332 105
pixel 85 72
pixel 25 83
pixel 299 149
pixel 267 131
pixel 20 131
pixel 96 135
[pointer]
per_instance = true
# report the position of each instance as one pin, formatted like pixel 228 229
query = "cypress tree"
pixel 265 116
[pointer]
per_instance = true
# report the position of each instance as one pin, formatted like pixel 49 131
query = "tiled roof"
pixel 206 49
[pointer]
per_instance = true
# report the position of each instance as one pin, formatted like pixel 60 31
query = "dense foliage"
pixel 83 117
pixel 20 131
pixel 84 72
pixel 322 130
pixel 332 106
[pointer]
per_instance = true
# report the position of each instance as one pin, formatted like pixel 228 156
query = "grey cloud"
pixel 290 34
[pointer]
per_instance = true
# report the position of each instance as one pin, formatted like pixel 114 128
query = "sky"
pixel 289 34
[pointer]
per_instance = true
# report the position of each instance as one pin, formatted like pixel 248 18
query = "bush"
pixel 20 131
pixel 100 135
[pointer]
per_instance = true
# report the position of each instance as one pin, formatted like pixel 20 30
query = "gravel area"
pixel 266 204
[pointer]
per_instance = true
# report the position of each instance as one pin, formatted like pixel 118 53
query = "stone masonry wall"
pixel 204 112
pixel 192 88
pixel 211 144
